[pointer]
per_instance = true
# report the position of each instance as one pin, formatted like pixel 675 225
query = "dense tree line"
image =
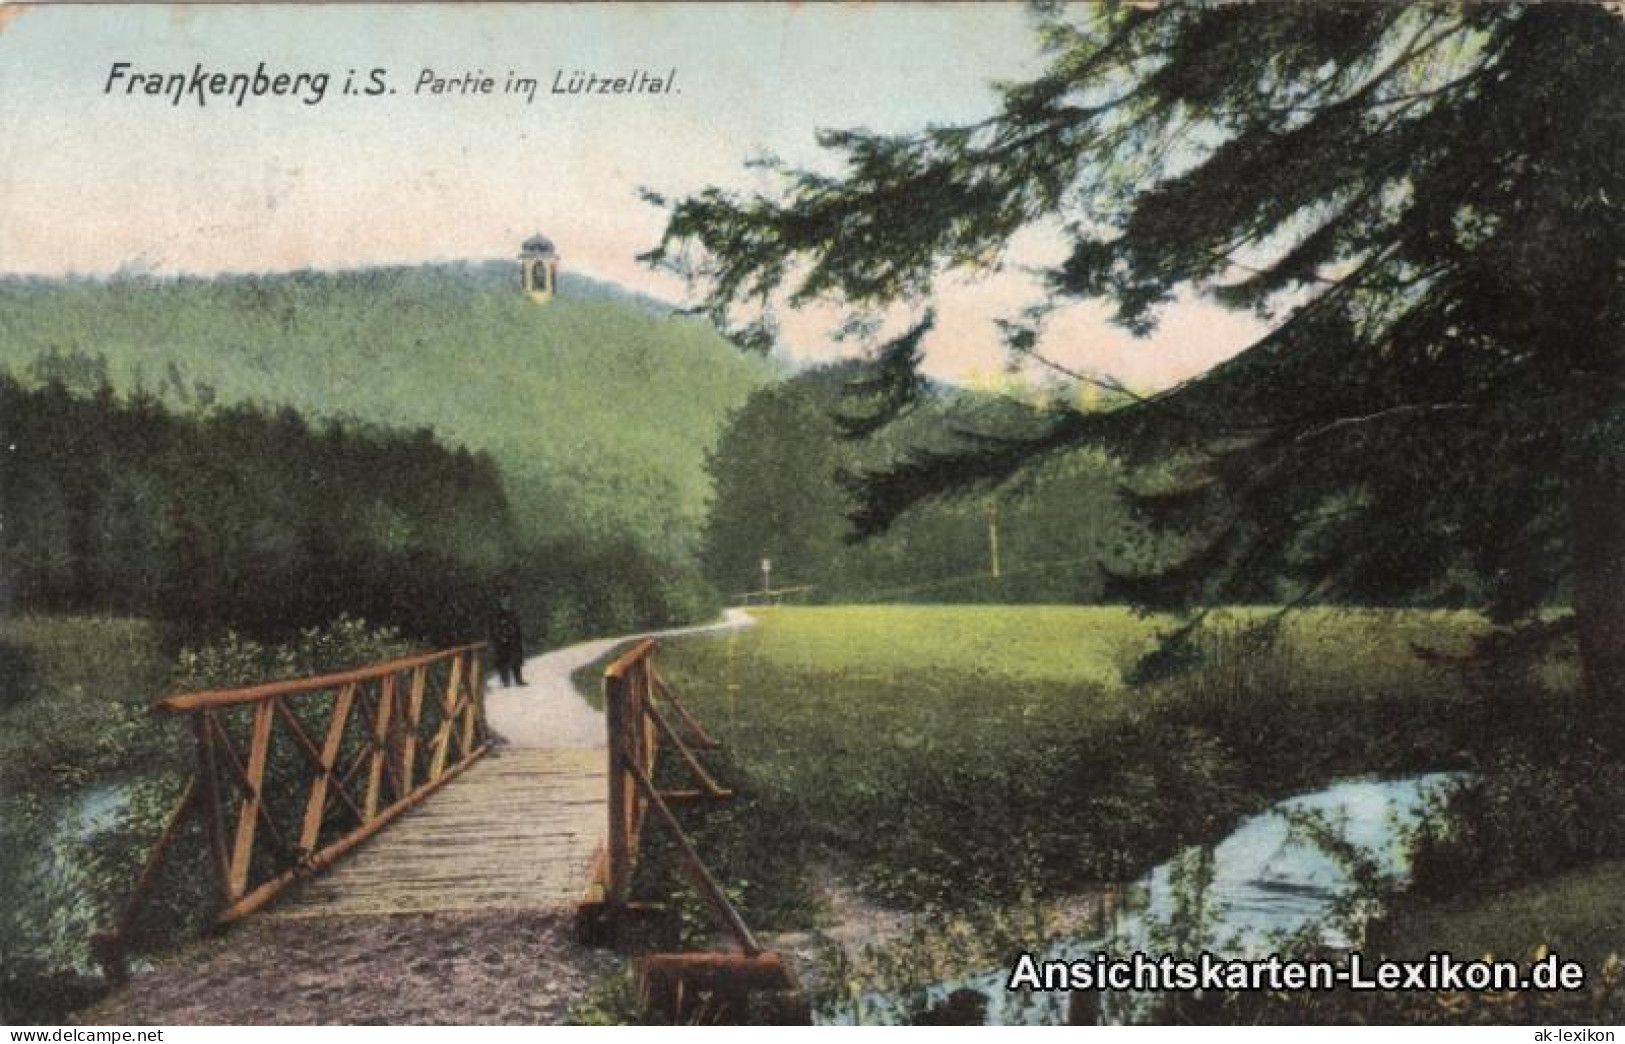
pixel 787 470
pixel 258 520
pixel 597 408
pixel 779 473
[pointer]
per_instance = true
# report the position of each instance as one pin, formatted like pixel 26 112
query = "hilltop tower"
pixel 539 268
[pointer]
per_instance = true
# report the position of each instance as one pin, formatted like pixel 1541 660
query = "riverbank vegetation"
pixel 1579 914
pixel 88 777
pixel 966 764
pixel 1429 417
pixel 946 757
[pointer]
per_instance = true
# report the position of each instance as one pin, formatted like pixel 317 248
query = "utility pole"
pixel 993 539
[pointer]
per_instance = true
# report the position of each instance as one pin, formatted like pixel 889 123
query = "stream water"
pixel 55 882
pixel 93 811
pixel 1263 882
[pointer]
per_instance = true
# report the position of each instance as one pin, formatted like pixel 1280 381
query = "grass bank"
pixel 1579 915
pixel 955 756
pixel 73 689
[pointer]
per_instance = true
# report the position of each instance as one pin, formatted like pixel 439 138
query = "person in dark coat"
pixel 507 643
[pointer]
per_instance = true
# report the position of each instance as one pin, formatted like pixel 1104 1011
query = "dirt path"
pixel 488 967
pixel 547 711
pixel 417 969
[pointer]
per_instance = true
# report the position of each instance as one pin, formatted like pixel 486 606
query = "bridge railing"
pixel 290 775
pixel 642 715
pixel 638 730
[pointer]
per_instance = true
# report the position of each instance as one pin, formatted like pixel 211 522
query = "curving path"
pixel 519 829
pixel 548 712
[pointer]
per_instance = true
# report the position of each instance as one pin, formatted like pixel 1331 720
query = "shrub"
pixel 1520 819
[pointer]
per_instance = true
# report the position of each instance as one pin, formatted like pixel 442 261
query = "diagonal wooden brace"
pixel 696 732
pixel 698 875
pixel 709 787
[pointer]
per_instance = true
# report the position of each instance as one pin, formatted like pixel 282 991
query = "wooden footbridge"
pixel 384 791
pixel 518 831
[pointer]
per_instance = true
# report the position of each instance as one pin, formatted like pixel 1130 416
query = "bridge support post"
pixel 722 988
pixel 617 868
pixel 747 984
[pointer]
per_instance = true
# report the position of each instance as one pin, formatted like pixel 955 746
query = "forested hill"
pixel 598 406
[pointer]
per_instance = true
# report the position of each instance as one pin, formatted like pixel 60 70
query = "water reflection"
pixel 1283 874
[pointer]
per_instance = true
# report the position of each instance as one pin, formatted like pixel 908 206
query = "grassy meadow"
pixel 950 756
pixel 971 764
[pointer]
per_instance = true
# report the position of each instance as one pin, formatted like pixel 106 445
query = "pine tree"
pixel 1425 201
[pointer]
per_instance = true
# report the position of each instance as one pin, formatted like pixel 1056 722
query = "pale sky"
pixel 92 181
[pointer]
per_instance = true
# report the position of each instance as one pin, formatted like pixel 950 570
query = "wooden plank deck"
pixel 517 831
